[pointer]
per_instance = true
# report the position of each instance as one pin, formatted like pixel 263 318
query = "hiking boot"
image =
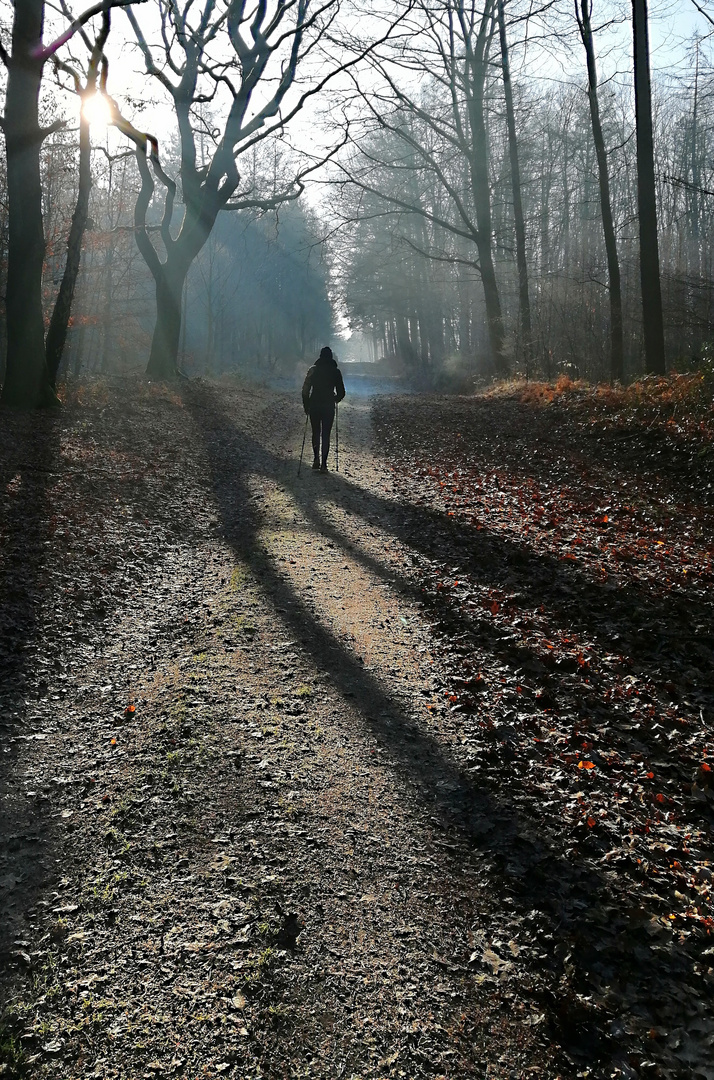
pixel 323 467
pixel 316 464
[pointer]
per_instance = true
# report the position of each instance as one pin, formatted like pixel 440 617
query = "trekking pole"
pixel 337 438
pixel 304 436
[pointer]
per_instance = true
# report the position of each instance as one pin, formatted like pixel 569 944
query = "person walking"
pixel 322 390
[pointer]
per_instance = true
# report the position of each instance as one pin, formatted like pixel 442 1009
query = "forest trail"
pixel 247 831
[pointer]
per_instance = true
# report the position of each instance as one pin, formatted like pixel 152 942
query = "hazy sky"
pixel 673 27
pixel 674 24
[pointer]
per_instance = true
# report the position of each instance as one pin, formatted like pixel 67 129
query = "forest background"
pixel 410 202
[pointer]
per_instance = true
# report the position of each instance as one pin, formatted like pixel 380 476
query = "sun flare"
pixel 97 111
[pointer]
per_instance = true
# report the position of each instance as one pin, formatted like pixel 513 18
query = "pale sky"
pixel 673 26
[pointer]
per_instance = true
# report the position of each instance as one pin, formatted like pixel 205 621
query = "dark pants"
pixel 322 421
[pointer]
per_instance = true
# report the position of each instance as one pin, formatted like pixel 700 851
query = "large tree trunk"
pixel 27 381
pixel 492 299
pixel 163 360
pixel 482 202
pixel 608 227
pixel 169 276
pixel 523 294
pixel 646 197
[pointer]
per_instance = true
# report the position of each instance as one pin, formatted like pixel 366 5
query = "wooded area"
pixel 398 767
pixel 469 219
pixel 414 200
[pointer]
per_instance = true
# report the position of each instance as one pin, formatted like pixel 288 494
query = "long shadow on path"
pixel 595 940
pixel 29 448
pixel 638 620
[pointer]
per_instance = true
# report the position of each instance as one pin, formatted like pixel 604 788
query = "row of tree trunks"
pixel 165 341
pixel 33 363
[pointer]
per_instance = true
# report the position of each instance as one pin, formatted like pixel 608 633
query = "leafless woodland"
pixel 454 210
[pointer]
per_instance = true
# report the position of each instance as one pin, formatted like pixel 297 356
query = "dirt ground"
pixel 268 807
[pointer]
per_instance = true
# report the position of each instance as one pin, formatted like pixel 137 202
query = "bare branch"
pixel 259 124
pixel 145 143
pixel 409 207
pixel 60 65
pixel 151 67
pixel 58 125
pixel 452 260
pixel 297 187
pixel 82 32
pixel 701 11
pixel 432 163
pixel 677 181
pixel 43 52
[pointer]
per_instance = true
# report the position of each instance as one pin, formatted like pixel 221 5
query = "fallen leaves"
pixel 582 575
pixel 526 888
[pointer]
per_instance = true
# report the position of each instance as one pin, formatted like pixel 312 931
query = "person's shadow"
pixel 595 926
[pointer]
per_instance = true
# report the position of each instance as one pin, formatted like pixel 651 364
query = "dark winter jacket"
pixel 323 387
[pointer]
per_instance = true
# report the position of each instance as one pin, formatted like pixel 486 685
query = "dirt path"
pixel 228 789
pixel 397 772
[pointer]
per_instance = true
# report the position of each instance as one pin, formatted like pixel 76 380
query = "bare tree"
pixel 583 15
pixel 647 197
pixel 524 297
pixel 27 378
pixel 59 322
pixel 452 43
pixel 386 293
pixel 251 56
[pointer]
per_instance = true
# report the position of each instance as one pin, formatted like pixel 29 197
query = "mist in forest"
pixel 446 238
pixel 255 301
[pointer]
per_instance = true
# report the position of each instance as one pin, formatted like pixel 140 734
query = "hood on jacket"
pixel 326 356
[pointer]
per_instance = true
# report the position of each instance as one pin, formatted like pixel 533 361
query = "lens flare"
pixel 97 111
